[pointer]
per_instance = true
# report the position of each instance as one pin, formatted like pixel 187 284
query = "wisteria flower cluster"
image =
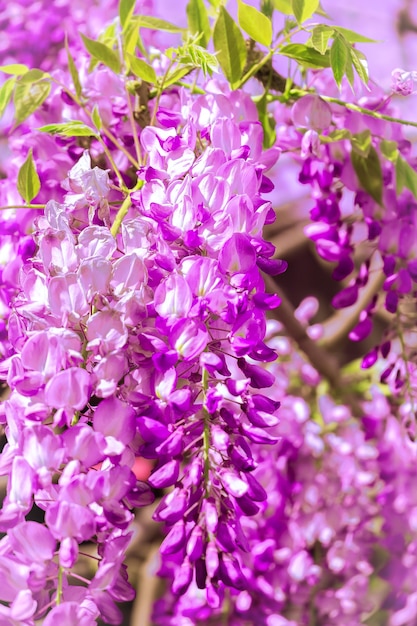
pixel 139 319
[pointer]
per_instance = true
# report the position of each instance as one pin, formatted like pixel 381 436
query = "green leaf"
pixel 126 8
pixel 33 76
pixel 177 74
pixel 230 47
pixel 339 54
pixel 69 129
pixel 284 6
pixel 305 55
pixel 336 135
pixel 360 65
pixel 268 122
pixel 352 37
pixel 95 116
pixel 198 21
pixel 142 70
pixel 101 52
pixel 304 9
pixel 194 56
pixel 320 36
pixel 406 177
pixel 16 69
pixel 255 24
pixel 362 142
pixel 389 149
pixel 28 183
pixel 349 71
pixel 147 21
pixel 28 98
pixel 73 71
pixel 6 91
pixel 369 173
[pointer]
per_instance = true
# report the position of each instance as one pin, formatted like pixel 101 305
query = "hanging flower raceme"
pixel 149 342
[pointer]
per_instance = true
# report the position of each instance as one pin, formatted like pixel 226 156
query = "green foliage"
pixel 267 120
pixel 142 70
pixel 230 47
pixel 336 135
pixel 69 129
pixel 306 56
pixel 102 53
pixel 360 64
pixel 389 149
pixel 283 6
pixel 351 36
pixel 304 9
pixel 339 55
pixel 6 91
pixel 177 74
pixel 28 97
pixel 147 21
pixel 16 69
pixel 320 36
pixel 198 21
pixel 369 173
pixel 361 142
pixel 255 24
pixel 28 183
pixel 194 57
pixel 95 116
pixel 126 8
pixel 406 176
pixel 73 71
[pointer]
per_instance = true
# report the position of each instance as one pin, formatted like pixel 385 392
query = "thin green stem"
pixel 59 588
pixel 127 154
pixel 159 94
pixel 206 432
pixel 255 68
pixel 191 88
pixel 121 214
pixel 23 206
pixel 374 114
pixel 134 128
pixel 104 130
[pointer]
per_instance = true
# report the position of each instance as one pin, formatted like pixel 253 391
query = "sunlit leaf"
pixel 101 52
pixel 339 54
pixel 352 36
pixel 28 183
pixel 304 9
pixel 360 65
pixel 305 55
pixel 389 149
pixel 95 116
pixel 126 8
pixel 69 129
pixel 320 36
pixel 142 70
pixel 28 97
pixel 406 176
pixel 73 71
pixel 147 21
pixel 230 47
pixel 284 6
pixel 254 23
pixel 16 69
pixel 198 21
pixel 361 142
pixel 6 91
pixel 369 172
